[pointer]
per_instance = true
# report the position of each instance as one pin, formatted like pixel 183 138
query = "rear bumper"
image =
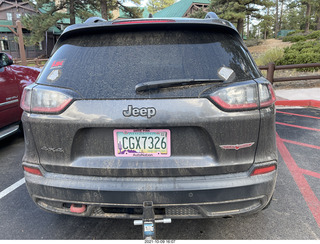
pixel 174 197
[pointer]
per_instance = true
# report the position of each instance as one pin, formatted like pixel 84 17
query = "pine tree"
pixel 38 24
pixel 157 5
pixel 237 10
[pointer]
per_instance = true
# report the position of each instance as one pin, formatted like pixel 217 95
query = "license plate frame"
pixel 159 147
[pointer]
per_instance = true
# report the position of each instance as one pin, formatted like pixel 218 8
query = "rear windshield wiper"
pixel 144 86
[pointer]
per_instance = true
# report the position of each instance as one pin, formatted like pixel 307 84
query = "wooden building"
pixel 183 8
pixel 10 12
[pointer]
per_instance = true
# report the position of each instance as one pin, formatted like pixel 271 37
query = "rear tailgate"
pixel 105 65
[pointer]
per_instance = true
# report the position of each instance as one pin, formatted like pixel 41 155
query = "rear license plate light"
pixel 142 143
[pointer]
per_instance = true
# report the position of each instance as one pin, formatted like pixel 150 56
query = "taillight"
pixel 244 96
pixel 263 170
pixel 239 97
pixel 143 22
pixel 267 96
pixel 44 100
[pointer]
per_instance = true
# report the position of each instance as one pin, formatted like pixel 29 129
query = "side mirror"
pixel 5 60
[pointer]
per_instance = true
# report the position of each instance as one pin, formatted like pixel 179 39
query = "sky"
pixel 131 4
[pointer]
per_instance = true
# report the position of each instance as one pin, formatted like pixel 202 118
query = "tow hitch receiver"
pixel 148 222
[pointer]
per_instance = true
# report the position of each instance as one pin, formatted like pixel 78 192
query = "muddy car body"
pixel 172 112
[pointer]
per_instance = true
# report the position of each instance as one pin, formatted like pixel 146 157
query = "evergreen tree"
pixel 38 24
pixel 105 7
pixel 266 23
pixel 308 4
pixel 157 5
pixel 293 17
pixel 199 14
pixel 237 10
pixel 317 13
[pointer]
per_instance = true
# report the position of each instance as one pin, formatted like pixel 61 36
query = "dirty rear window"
pixel 110 65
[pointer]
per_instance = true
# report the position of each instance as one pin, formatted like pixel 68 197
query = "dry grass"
pixel 257 51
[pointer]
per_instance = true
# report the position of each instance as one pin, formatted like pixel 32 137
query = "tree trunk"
pixel 265 28
pixel 248 26
pixel 72 13
pixel 308 13
pixel 240 26
pixel 276 26
pixel 104 9
pixel 281 14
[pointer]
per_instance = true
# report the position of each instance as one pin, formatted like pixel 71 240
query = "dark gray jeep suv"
pixel 172 115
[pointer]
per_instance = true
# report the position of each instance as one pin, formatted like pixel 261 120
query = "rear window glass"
pixel 110 65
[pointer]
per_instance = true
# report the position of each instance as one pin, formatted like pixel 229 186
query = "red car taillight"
pixel 244 97
pixel 41 100
pixel 25 102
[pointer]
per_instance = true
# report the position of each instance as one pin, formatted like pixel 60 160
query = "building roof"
pixel 66 21
pixel 55 30
pixel 178 9
pixel 5 22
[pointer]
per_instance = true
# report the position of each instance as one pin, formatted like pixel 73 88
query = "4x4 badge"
pixel 144 112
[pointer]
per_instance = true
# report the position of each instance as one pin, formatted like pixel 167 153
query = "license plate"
pixel 142 143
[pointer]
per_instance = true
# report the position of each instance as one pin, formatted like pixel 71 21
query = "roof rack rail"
pixel 212 15
pixel 94 20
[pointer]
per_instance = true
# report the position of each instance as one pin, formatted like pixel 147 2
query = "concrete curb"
pixel 298 103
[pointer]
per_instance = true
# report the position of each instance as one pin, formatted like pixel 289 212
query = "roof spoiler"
pixel 211 15
pixel 92 20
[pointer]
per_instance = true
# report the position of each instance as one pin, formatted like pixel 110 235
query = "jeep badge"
pixel 144 112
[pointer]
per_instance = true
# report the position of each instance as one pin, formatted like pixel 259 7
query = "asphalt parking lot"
pixel 294 213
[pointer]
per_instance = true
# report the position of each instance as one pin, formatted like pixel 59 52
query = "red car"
pixel 13 78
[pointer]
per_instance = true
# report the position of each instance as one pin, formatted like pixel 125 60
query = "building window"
pixel 9 16
pixel 18 16
pixel 4 45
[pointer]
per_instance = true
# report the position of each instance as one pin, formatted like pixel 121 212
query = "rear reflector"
pixel 34 171
pixel 263 170
pixel 142 22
